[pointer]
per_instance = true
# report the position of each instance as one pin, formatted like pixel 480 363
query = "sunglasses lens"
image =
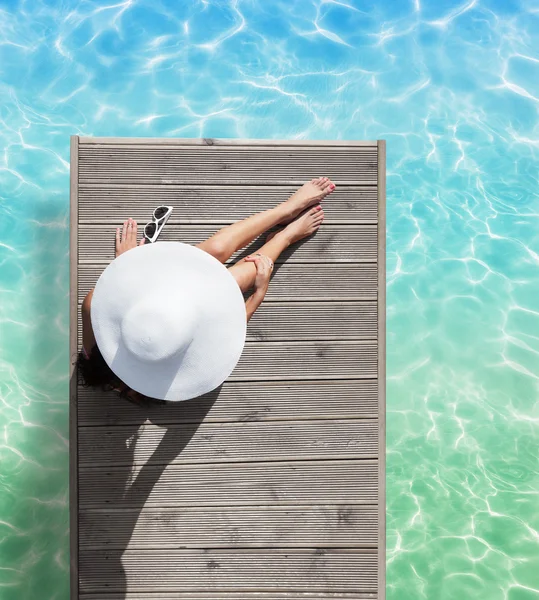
pixel 149 230
pixel 160 212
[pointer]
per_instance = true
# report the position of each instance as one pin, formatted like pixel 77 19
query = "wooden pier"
pixel 271 487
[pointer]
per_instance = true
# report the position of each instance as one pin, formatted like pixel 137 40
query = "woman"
pixel 301 214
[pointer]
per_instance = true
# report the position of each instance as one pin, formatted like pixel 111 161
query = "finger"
pixel 134 231
pixel 257 261
pixel 117 237
pixel 124 231
pixel 142 241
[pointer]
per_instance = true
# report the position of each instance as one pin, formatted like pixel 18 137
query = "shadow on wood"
pixel 135 493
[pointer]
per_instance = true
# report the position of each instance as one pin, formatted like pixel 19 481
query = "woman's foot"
pixel 303 225
pixel 308 194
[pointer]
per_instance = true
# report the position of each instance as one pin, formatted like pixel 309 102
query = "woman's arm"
pixel 125 240
pixel 254 301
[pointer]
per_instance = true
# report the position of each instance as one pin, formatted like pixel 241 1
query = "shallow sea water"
pixel 454 89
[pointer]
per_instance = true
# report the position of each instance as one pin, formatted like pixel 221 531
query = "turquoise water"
pixel 454 89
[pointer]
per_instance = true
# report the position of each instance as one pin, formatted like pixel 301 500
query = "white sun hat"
pixel 169 320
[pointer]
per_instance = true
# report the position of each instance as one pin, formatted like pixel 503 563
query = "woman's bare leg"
pixel 245 272
pixel 230 239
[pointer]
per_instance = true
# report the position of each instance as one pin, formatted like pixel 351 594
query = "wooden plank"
pixel 220 164
pixel 243 595
pixel 382 367
pixel 265 570
pixel 243 402
pixel 219 204
pixel 195 153
pixel 230 442
pixel 230 527
pixel 295 321
pixel 230 484
pixel 248 155
pixel 198 182
pixel 292 282
pixel 331 243
pixel 271 361
pixel 73 376
pixel 149 141
pixel 314 320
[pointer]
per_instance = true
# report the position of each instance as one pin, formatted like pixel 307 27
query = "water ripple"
pixel 453 88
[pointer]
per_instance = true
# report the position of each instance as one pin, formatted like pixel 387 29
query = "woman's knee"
pixel 216 248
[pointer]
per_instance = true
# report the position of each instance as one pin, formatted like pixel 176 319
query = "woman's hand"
pixel 128 238
pixel 264 267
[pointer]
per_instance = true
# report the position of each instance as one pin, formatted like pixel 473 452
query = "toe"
pixel 326 185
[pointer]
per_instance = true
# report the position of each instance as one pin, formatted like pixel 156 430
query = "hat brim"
pixel 166 267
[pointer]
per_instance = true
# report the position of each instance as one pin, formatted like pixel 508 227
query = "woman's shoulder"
pixel 87 302
pixel 88 337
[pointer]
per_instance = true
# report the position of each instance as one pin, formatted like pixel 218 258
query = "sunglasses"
pixel 155 226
